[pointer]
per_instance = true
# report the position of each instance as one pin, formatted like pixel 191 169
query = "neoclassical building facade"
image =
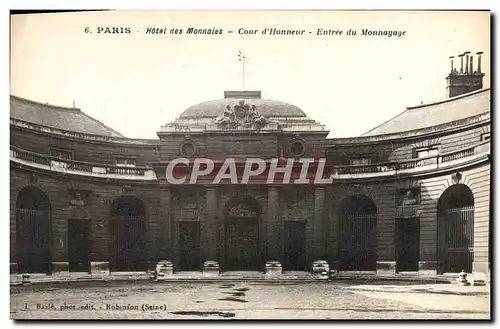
pixel 410 196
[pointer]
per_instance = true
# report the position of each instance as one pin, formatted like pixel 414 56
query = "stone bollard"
pixel 273 269
pixel 462 279
pixel 164 268
pixel 25 279
pixel 211 268
pixel 320 269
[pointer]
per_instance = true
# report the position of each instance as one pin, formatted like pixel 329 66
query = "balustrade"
pixel 377 168
pixel 71 165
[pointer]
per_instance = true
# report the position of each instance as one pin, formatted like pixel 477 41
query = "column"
pixel 209 226
pixel 428 244
pixel 274 226
pixel 59 231
pixel 165 215
pixel 319 236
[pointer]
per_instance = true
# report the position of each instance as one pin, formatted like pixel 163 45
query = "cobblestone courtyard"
pixel 248 300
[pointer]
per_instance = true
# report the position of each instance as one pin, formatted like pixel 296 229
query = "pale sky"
pixel 136 82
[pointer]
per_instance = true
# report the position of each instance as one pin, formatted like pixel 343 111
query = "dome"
pixel 266 107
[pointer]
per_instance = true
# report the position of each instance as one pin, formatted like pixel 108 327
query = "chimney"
pixel 479 61
pixel 465 81
pixel 467 62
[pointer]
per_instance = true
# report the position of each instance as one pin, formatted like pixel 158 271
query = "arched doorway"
pixel 127 235
pixel 242 234
pixel 357 234
pixel 33 236
pixel 456 229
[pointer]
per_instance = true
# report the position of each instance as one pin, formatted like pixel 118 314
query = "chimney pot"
pixel 479 53
pixel 466 53
pixel 461 62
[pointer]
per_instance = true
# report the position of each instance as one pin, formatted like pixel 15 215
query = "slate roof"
pixel 265 107
pixel 434 114
pixel 65 118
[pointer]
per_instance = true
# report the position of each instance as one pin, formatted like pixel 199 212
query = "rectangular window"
pixel 485 137
pixel 61 154
pixel 360 161
pixel 125 162
pixel 426 152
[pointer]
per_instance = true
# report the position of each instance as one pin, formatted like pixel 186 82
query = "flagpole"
pixel 242 58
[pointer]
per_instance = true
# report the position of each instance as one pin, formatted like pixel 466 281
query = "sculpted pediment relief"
pixel 241 115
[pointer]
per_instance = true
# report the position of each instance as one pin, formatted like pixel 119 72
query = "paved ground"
pixel 247 300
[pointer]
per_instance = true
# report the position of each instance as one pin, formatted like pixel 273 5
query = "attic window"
pixel 426 152
pixel 485 136
pixel 360 161
pixel 125 162
pixel 61 154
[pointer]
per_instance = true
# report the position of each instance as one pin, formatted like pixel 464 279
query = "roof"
pixel 437 113
pixel 265 107
pixel 64 118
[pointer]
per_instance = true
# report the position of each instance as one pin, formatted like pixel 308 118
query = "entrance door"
pixel 242 245
pixel 407 244
pixel 33 241
pixel 295 246
pixel 189 246
pixel 78 245
pixel 128 244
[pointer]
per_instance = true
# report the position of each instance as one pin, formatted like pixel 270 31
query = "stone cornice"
pixel 444 129
pixel 44 130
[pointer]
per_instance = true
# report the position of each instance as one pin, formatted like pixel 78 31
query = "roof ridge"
pixel 47 106
pixel 423 106
pixel 383 123
pixel 451 99
pixel 105 126
pixel 56 107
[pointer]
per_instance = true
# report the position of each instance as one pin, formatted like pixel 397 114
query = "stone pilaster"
pixel 209 226
pixel 429 244
pixel 274 225
pixel 319 238
pixel 165 216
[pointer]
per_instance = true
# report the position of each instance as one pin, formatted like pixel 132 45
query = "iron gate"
pixel 458 239
pixel 128 252
pixel 33 240
pixel 357 237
